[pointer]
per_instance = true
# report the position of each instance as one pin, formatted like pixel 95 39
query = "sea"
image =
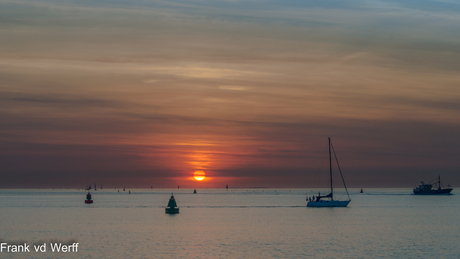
pixel 233 223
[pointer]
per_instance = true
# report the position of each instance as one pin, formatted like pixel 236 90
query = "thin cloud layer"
pixel 146 93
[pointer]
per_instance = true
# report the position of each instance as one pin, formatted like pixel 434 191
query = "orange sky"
pixel 145 94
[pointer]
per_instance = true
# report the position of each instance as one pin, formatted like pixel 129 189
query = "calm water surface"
pixel 242 223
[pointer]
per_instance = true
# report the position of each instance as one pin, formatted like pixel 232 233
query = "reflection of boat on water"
pixel 427 189
pixel 328 200
pixel 88 198
pixel 172 206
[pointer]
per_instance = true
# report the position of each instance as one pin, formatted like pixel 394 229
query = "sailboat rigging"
pixel 328 200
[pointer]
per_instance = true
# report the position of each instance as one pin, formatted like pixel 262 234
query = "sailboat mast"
pixel 330 166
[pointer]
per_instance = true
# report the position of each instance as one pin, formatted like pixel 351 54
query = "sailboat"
pixel 328 200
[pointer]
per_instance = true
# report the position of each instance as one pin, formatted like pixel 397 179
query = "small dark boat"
pixel 194 191
pixel 361 191
pixel 88 198
pixel 172 206
pixel 427 189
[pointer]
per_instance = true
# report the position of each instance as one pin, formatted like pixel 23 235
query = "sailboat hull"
pixel 327 203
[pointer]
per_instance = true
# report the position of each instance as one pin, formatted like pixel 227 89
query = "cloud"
pixel 245 89
pixel 234 87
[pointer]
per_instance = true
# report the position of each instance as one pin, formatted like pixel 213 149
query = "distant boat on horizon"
pixel 321 201
pixel 427 189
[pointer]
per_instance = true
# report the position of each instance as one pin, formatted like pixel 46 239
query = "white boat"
pixel 172 206
pixel 328 200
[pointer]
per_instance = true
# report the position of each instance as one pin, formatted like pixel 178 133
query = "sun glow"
pixel 199 175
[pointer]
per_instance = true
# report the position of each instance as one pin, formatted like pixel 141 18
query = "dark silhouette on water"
pixel 427 189
pixel 88 198
pixel 328 200
pixel 194 191
pixel 172 206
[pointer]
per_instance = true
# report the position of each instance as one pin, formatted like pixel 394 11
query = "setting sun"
pixel 199 175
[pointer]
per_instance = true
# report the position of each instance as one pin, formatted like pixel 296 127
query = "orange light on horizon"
pixel 199 175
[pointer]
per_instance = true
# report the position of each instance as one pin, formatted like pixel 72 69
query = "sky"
pixel 144 93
